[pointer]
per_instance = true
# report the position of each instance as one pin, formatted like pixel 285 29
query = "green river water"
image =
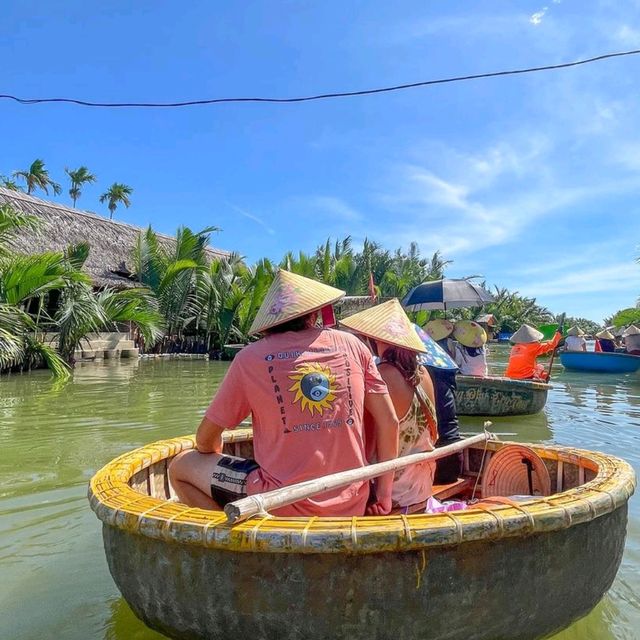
pixel 54 581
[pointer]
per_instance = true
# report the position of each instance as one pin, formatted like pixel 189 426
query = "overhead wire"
pixel 321 96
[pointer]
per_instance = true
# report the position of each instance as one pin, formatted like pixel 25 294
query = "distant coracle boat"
pixel 520 570
pixel 601 362
pixel 497 396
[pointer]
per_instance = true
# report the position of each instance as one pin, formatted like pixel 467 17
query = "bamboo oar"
pixel 553 353
pixel 262 502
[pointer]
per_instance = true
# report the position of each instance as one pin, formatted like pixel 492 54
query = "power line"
pixel 322 96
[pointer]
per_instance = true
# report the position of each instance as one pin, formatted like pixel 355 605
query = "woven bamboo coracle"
pixel 132 493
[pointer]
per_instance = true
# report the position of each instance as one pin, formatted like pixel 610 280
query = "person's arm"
pixel 380 407
pixel 209 437
pixel 545 347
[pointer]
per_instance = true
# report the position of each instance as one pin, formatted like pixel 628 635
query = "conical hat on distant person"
pixel 388 323
pixel 469 333
pixel 526 334
pixel 575 331
pixel 439 329
pixel 291 296
pixel 632 330
pixel 605 335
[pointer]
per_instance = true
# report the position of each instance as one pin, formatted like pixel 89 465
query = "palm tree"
pixel 117 193
pixel 79 177
pixel 37 177
pixel 170 273
pixel 8 183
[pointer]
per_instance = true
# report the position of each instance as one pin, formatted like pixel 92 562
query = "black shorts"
pixel 229 478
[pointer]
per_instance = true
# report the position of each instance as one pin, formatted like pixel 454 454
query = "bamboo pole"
pixel 262 502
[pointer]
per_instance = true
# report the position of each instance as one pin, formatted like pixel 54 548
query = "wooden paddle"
pixel 262 502
pixel 553 353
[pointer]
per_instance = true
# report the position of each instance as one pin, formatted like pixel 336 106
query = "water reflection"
pixel 534 428
pixel 55 582
pixel 123 624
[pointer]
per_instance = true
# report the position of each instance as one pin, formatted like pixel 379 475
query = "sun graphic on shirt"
pixel 314 387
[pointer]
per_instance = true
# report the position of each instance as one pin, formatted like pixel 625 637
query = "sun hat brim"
pixel 292 296
pixel 388 323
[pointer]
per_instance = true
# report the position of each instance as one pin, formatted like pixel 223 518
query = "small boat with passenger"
pixel 498 396
pixel 524 568
pixel 600 361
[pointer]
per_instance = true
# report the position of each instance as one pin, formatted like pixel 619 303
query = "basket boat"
pixel 602 362
pixel 496 396
pixel 512 571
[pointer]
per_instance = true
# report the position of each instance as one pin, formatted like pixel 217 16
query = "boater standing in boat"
pixel 306 388
pixel 527 347
pixel 444 379
pixel 394 340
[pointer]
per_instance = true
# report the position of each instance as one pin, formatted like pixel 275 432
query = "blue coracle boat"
pixel 600 361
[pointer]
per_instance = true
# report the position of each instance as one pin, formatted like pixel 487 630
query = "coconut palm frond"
pixel 79 314
pixel 137 306
pixel 37 350
pixel 14 327
pixel 25 277
pixel 11 223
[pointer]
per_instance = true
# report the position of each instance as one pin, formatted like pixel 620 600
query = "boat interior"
pixel 497 469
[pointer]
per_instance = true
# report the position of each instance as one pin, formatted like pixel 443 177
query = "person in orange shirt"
pixel 527 347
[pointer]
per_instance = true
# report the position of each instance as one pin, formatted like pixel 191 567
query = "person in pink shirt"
pixel 306 388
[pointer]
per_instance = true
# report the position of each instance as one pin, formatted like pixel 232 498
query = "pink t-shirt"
pixel 305 392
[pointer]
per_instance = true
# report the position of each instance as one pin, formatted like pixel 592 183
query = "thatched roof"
pixel 349 305
pixel 111 241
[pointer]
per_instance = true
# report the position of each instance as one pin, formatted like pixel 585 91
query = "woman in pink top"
pixel 306 389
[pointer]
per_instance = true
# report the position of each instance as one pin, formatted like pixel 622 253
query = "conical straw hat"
pixel 605 335
pixel 525 334
pixel 469 333
pixel 439 329
pixel 632 330
pixel 575 331
pixel 388 323
pixel 291 296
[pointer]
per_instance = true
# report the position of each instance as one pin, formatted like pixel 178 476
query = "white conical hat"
pixel 291 296
pixel 605 334
pixel 526 333
pixel 388 323
pixel 575 331
pixel 632 330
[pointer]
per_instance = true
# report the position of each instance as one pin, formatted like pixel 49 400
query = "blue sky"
pixel 531 181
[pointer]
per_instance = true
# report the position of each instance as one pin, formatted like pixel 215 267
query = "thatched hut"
pixel 112 242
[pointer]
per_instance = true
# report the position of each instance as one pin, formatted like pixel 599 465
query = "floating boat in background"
pixel 522 570
pixel 496 396
pixel 602 362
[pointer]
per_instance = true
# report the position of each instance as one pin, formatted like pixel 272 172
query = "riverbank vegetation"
pixel 48 304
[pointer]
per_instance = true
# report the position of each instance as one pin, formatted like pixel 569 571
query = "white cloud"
pixel 621 276
pixel 254 218
pixel 627 35
pixel 536 18
pixel 333 206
